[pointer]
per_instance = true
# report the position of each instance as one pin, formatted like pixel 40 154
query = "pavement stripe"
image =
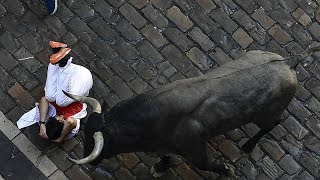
pixel 41 161
pixel 7 127
pixel 58 175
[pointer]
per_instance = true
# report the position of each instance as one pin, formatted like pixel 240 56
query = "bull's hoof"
pixel 155 173
pixel 229 171
pixel 248 147
pixel 161 167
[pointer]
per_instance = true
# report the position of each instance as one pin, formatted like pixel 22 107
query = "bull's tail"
pixel 304 55
pixel 293 61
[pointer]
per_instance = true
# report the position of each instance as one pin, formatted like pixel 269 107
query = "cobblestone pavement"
pixel 136 45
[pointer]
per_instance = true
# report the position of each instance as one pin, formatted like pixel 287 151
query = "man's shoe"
pixel 52 6
pixel 54 58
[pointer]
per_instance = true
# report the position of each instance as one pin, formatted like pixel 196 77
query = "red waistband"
pixel 69 110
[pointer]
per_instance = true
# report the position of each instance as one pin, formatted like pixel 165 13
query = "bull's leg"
pixel 265 128
pixel 251 143
pixel 162 166
pixel 199 158
pixel 190 143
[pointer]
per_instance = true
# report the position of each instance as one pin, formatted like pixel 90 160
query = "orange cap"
pixel 54 58
pixel 54 44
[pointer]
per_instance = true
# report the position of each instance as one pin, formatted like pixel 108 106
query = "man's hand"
pixel 43 131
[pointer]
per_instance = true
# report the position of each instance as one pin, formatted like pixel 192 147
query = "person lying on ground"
pixel 62 75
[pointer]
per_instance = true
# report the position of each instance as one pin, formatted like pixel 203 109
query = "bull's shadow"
pixel 180 117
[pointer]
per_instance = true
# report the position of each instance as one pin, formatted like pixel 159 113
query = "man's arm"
pixel 69 124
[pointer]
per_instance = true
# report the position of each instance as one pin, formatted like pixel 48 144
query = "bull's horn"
pixel 91 101
pixel 98 146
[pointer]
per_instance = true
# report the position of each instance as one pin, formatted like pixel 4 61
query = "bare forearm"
pixel 69 124
pixel 65 130
pixel 43 109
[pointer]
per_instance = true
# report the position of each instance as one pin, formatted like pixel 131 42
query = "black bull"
pixel 182 116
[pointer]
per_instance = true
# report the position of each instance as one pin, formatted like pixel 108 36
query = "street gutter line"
pixel 40 160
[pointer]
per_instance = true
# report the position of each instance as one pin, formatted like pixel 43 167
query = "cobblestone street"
pixel 132 46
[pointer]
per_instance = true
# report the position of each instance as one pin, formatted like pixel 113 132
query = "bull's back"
pixel 258 88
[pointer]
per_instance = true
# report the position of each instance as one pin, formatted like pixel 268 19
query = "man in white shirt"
pixel 56 106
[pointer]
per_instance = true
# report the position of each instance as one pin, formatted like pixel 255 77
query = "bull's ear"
pixel 105 106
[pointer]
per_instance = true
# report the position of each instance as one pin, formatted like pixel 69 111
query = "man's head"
pixel 54 128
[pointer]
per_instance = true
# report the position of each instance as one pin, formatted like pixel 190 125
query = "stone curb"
pixel 41 161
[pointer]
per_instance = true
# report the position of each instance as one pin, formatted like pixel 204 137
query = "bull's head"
pixel 98 136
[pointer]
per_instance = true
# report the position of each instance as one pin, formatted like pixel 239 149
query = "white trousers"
pixel 72 78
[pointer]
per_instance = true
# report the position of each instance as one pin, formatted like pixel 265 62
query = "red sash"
pixel 69 110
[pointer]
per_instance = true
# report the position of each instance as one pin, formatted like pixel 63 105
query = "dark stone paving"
pixel 132 46
pixel 14 164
